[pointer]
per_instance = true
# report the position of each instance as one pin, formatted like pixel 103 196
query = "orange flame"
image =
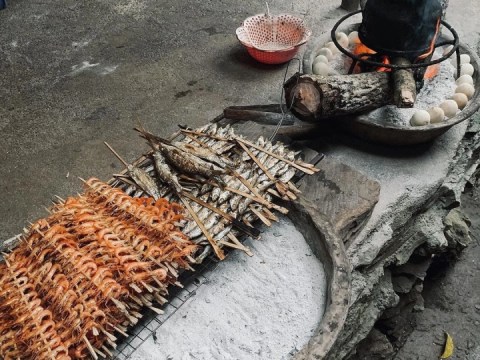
pixel 385 60
pixel 363 52
pixel 432 43
pixel 432 71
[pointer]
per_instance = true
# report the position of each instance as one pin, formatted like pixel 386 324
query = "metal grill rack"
pixel 150 322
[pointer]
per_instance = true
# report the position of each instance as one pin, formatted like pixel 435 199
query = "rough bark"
pixel 313 97
pixel 404 86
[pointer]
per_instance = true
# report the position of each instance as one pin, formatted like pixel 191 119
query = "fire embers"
pixel 82 275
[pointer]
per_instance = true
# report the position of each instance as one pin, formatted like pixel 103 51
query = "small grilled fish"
pixel 205 154
pixel 261 141
pixel 216 193
pixel 288 175
pixel 144 181
pixel 290 155
pixel 189 226
pixel 207 251
pixel 204 213
pixel 189 163
pixel 210 129
pixel 206 188
pixel 243 205
pixel 282 170
pixel 211 220
pixel 195 232
pixel 234 201
pixel 165 173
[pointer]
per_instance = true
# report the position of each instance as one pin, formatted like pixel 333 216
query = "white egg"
pixel 447 50
pixel 420 118
pixel 353 37
pixel 320 58
pixel 342 39
pixel 333 48
pixel 466 89
pixel 464 59
pixel 464 79
pixel 461 99
pixel 321 68
pixel 467 69
pixel 436 115
pixel 449 107
pixel 325 52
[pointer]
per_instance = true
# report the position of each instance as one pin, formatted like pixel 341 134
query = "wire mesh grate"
pixel 192 281
pixel 150 322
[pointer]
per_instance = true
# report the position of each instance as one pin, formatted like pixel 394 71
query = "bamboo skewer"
pixel 281 187
pixel 261 216
pixel 234 239
pixel 90 347
pixel 309 170
pixel 119 330
pixel 117 155
pixel 246 229
pixel 213 243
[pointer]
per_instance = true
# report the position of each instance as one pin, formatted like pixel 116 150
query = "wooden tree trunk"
pixel 313 97
pixel 404 86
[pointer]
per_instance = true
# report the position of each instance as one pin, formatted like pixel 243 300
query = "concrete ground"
pixel 76 73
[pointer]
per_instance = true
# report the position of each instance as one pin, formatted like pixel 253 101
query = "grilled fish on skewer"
pixel 189 163
pixel 141 177
pixel 205 154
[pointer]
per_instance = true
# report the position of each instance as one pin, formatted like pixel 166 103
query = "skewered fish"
pixel 189 163
pixel 140 176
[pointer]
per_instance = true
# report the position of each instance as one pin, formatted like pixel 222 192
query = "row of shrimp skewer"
pixel 82 275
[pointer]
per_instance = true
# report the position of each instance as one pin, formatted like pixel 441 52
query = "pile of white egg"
pixel 449 108
pixel 321 63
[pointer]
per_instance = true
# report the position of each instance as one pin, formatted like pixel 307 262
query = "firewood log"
pixel 313 97
pixel 404 86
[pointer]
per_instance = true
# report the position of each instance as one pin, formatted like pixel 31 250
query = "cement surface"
pixel 74 74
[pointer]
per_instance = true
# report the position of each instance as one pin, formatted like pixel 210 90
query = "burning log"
pixel 314 97
pixel 404 86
